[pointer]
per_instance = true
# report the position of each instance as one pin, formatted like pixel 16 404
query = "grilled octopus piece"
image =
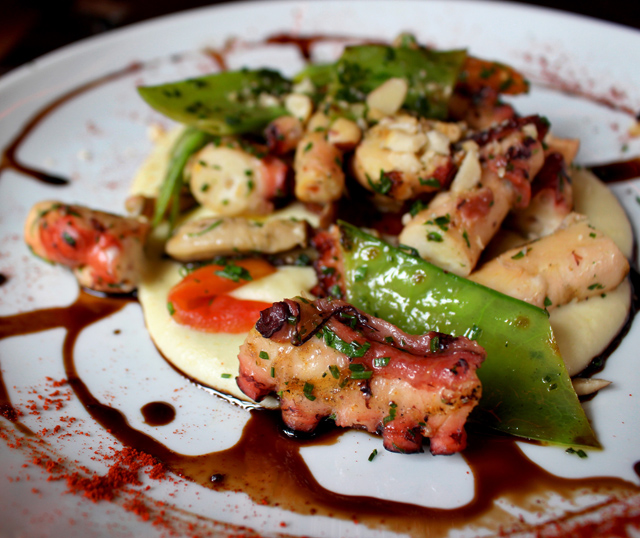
pixel 327 358
pixel 457 225
pixel 551 200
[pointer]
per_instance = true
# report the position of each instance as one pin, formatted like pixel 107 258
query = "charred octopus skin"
pixel 328 359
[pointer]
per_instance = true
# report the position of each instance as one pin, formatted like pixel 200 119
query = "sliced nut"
pixel 389 96
pixel 530 130
pixel 453 131
pixel 468 175
pixel 438 142
pixel 299 105
pixel 319 121
pixel 304 86
pixel 268 100
pixel 404 142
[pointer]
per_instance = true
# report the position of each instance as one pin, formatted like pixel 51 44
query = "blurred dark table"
pixel 31 28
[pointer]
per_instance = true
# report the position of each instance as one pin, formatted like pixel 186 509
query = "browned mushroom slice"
pixel 217 236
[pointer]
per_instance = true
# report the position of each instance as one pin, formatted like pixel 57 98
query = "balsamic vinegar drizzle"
pixel 10 159
pixel 304 44
pixel 266 463
pixel 158 413
pixel 618 171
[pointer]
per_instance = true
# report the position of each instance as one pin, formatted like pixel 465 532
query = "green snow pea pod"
pixel 231 102
pixel 526 389
pixel 189 141
pixel 320 74
pixel 431 75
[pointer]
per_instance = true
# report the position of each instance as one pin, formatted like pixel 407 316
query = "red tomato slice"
pixel 200 300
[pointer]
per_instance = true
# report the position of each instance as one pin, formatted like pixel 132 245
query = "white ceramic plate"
pixel 99 138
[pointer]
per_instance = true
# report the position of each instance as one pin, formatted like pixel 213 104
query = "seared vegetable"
pixel 431 75
pixel 190 141
pixel 231 102
pixel 206 238
pixel 526 389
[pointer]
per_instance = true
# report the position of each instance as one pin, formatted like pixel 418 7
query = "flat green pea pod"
pixel 321 75
pixel 231 102
pixel 526 390
pixel 431 75
pixel 168 201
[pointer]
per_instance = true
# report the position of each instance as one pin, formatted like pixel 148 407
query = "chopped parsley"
pixel 336 291
pixel 392 413
pixel 359 371
pixel 443 222
pixel 521 254
pixel 211 226
pixel 350 349
pixel 234 272
pixel 384 184
pixel 68 239
pixel 465 236
pixel 307 391
pixel 416 207
pixel 381 362
pixel 429 182
pixel 580 453
pixel 473 333
pixel 360 273
pixel 302 260
pixel 409 250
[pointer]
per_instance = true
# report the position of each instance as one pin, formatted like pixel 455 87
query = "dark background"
pixel 30 28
